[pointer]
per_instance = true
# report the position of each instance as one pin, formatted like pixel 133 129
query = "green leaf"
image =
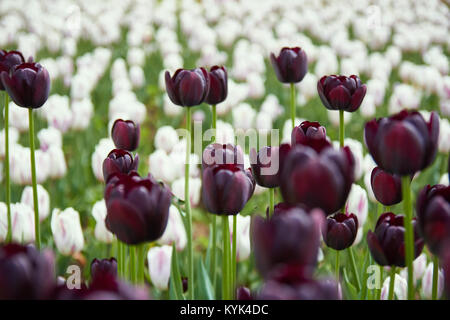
pixel 349 289
pixel 176 287
pixel 204 288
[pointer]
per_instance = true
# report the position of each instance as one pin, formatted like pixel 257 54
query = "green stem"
pixel 33 179
pixel 225 258
pixel 234 259
pixel 214 217
pixel 214 119
pixel 409 236
pixel 337 266
pixel 140 263
pixel 435 277
pixel 271 201
pixel 341 128
pixel 355 270
pixel 7 178
pixel 119 258
pixel 293 105
pixel 391 283
pixel 132 270
pixel 188 206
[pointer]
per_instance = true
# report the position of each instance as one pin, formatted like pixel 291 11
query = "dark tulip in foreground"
pixel 119 160
pixel 387 243
pixel 340 231
pixel 137 208
pixel 266 166
pixel 433 216
pixel 125 134
pixel 244 293
pixel 289 236
pixel 317 180
pixel 218 89
pixel 403 143
pixel 99 267
pixel 188 88
pixel 291 65
pixel 445 263
pixel 341 92
pixel 386 187
pixel 8 60
pixel 28 84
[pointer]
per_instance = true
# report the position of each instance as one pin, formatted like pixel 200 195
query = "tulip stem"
pixel 188 205
pixel 337 266
pixel 355 270
pixel 132 270
pixel 225 258
pixel 271 201
pixel 33 179
pixel 7 178
pixel 140 263
pixel 409 236
pixel 341 128
pixel 434 291
pixel 293 105
pixel 391 283
pixel 214 218
pixel 119 258
pixel 234 259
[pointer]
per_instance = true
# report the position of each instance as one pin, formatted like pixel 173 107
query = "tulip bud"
pixel 291 65
pixel 119 160
pixel 100 267
pixel 340 231
pixel 28 85
pixel 386 187
pixel 218 89
pixel 188 88
pixel 175 231
pixel 341 92
pixel 67 231
pixel 125 134
pixel 99 213
pixel 159 264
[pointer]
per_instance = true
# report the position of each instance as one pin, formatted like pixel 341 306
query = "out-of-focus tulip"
pixel 400 288
pixel 166 138
pixel 340 231
pixel 420 264
pixel 403 143
pixel 386 187
pixel 99 213
pixel 357 204
pixel 25 273
pixel 427 282
pixel 28 85
pixel 289 236
pixel 138 208
pixel 102 149
pixel 175 231
pixel 159 263
pixel 242 236
pixel 22 219
pixel 433 216
pixel 266 166
pixel 341 92
pixel 445 263
pixel 43 200
pixel 195 186
pixel 387 243
pixel 119 160
pixel 8 60
pixel 317 180
pixel 243 293
pixel 67 231
pixel 218 89
pixel 226 188
pixel 309 133
pixel 125 134
pixel 291 65
pixel 100 267
pixel 188 88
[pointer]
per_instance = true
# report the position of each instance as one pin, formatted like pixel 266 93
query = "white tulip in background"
pixel 444 136
pixel 333 116
pixel 43 200
pixel 49 137
pixel 242 236
pixel 3 221
pixel 444 179
pixel 102 149
pixel 357 204
pixel 22 219
pixel 420 264
pixel 67 232
pixel 427 282
pixel 400 288
pixel 175 230
pixel 166 138
pixel 99 213
pixel 13 138
pixel 159 260
pixel 195 185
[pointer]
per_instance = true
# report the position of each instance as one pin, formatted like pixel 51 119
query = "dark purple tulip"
pixel 184 282
pixel 433 216
pixel 403 143
pixel 340 231
pixel 28 84
pixel 445 263
pixel 125 134
pixel 217 153
pixel 119 160
pixel 106 286
pixel 137 208
pixel 226 188
pixel 188 88
pixel 291 65
pixel 218 89
pixel 387 244
pixel 311 134
pixel 266 166
pixel 99 267
pixel 25 273
pixel 244 294
pixel 341 92
pixel 8 60
pixel 386 187
pixel 289 236
pixel 317 180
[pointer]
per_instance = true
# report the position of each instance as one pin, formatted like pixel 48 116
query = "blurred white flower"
pixel 444 136
pixel 49 137
pixel 427 282
pixel 22 219
pixel 3 221
pixel 43 200
pixel 67 231
pixel 165 138
pixel 57 163
pixel 137 76
pixel 444 179
pixel 400 288
pixel 368 185
pixel 159 263
pixel 99 213
pixel 82 111
pixel 420 264
pixel 263 123
pixel 224 132
pixel 171 109
pixel 136 57
pixel 357 150
pixel 368 107
pixel 175 231
pixel 13 138
pixel 357 204
pixel 404 97
pixel 272 107
pixel 194 189
pixel 243 116
pixel 161 166
pixel 333 116
pixel 102 149
pixel 18 117
pixel 242 236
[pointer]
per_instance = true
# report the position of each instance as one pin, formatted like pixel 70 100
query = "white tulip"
pixel 427 282
pixel 13 138
pixel 49 137
pixel 400 288
pixel 242 236
pixel 82 111
pixel 99 213
pixel 243 116
pixel 3 221
pixel 444 136
pixel 444 179
pixel 22 219
pixel 57 167
pixel 161 166
pixel 159 263
pixel 67 231
pixel 357 203
pixel 166 138
pixel 18 117
pixel 420 264
pixel 175 231
pixel 43 200
pixel 102 149
pixel 333 116
pixel 195 185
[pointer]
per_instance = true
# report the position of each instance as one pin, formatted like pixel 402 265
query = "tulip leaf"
pixel 349 289
pixel 204 287
pixel 176 287
pixel 363 293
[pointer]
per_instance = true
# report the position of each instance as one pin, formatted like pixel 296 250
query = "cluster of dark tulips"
pixel 313 177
